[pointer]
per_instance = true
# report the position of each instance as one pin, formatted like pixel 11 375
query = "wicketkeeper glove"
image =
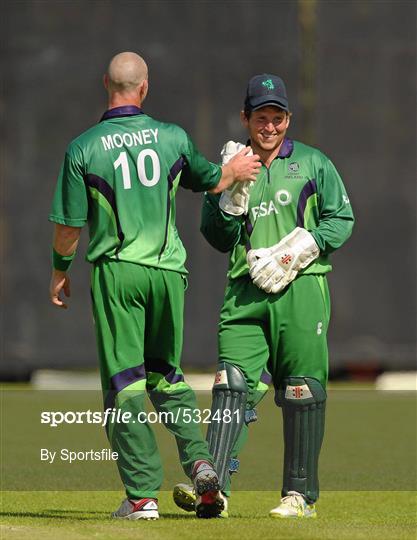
pixel 272 269
pixel 235 201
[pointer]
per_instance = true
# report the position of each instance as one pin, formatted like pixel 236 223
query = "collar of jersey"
pixel 118 112
pixel 286 149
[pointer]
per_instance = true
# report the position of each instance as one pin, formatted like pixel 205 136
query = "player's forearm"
pixel 332 233
pixel 64 245
pixel 226 180
pixel 65 239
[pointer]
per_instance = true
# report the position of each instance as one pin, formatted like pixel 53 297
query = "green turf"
pixel 367 473
pixel 79 515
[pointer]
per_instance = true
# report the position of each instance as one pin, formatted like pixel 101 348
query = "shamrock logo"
pixel 268 84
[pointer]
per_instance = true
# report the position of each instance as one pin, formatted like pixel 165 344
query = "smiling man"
pixel 274 320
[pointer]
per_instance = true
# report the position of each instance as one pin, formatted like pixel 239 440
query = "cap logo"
pixel 268 84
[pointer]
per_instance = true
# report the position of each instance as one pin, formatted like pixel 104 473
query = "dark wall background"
pixel 350 74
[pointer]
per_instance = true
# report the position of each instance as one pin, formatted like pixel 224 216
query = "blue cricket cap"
pixel 266 89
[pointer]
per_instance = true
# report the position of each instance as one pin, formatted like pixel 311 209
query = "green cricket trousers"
pixel 278 337
pixel 138 314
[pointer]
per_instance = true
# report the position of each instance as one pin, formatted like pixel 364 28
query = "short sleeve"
pixel 70 202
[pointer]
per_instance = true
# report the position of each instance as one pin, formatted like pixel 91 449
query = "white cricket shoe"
pixel 209 501
pixel 141 509
pixel 294 506
pixel 204 477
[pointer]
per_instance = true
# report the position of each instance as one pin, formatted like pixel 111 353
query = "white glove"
pixel 235 201
pixel 272 269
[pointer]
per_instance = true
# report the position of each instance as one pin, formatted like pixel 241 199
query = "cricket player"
pixel 279 232
pixel 121 177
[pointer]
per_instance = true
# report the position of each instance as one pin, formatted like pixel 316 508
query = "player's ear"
pixel 244 119
pixel 106 81
pixel 288 115
pixel 143 90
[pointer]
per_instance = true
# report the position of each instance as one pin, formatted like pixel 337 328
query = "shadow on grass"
pixel 82 515
pixel 191 515
pixel 60 514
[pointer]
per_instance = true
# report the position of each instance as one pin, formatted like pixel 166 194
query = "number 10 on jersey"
pixel 149 154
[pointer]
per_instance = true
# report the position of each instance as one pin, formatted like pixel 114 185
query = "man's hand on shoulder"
pixel 235 200
pixel 237 166
pixel 230 149
pixel 60 281
pixel 244 164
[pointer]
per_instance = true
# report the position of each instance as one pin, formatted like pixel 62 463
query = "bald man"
pixel 121 177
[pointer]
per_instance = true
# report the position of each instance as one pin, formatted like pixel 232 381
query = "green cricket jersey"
pixel 301 188
pixel 121 176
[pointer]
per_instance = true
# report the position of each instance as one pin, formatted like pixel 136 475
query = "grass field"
pixel 80 515
pixel 368 475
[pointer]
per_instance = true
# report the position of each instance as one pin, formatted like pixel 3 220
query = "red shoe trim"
pixel 209 497
pixel 138 505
